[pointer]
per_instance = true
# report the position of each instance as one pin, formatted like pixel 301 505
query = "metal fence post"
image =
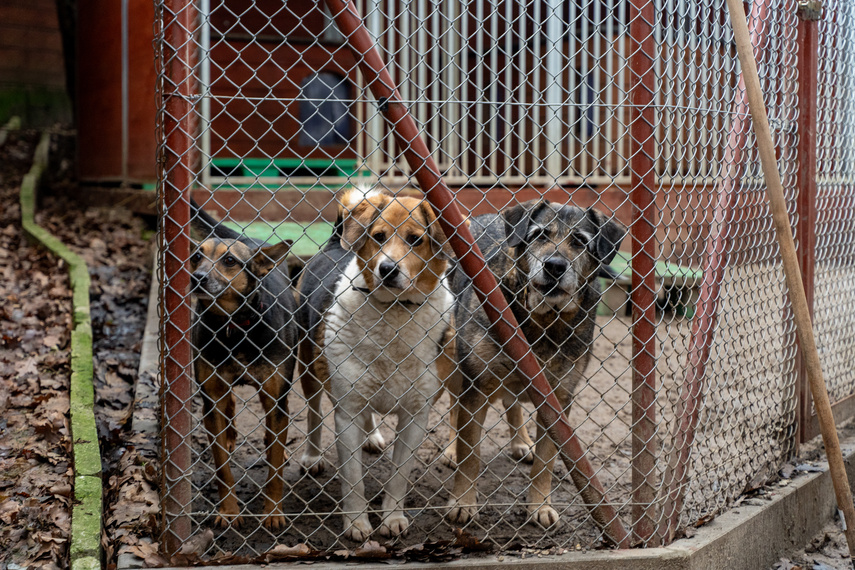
pixel 412 146
pixel 643 230
pixel 806 229
pixel 177 179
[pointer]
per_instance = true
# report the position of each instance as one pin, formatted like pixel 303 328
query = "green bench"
pixel 678 284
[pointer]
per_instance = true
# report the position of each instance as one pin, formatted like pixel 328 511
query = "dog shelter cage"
pixel 695 391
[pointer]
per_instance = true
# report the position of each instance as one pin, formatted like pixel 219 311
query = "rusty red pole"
pixel 643 231
pixel 177 180
pixel 412 146
pixel 706 315
pixel 806 228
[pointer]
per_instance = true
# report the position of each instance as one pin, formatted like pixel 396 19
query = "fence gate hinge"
pixel 810 10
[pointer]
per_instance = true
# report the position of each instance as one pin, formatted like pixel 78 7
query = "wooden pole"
pixel 778 205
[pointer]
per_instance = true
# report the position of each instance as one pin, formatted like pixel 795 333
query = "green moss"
pixel 86 518
pixel 86 563
pixel 86 515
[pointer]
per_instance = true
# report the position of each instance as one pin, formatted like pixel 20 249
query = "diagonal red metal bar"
pixel 643 230
pixel 706 315
pixel 411 145
pixel 178 176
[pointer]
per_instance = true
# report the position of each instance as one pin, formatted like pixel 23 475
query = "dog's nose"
pixel 196 279
pixel 387 270
pixel 555 267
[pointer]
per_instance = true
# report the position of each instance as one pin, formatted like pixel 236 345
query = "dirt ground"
pixel 312 500
pixel 827 551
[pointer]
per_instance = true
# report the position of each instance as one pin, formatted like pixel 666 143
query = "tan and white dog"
pixel 376 308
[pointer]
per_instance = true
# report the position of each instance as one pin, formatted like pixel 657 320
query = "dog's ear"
pixel 358 212
pixel 438 240
pixel 518 218
pixel 267 258
pixel 604 246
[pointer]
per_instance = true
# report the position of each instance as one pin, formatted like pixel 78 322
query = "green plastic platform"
pixel 307 239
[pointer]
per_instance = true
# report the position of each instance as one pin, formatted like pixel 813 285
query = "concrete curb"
pixel 86 513
pixel 13 124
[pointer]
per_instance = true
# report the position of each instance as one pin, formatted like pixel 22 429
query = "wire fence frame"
pixel 187 159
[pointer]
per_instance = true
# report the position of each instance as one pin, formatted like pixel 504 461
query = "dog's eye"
pixel 579 240
pixel 196 258
pixel 414 240
pixel 538 233
pixel 230 261
pixel 379 237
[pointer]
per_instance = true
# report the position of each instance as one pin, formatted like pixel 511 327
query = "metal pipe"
pixel 126 89
pixel 643 230
pixel 424 168
pixel 806 229
pixel 205 85
pixel 176 355
pixel 555 94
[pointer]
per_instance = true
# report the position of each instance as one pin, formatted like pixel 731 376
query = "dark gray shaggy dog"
pixel 547 258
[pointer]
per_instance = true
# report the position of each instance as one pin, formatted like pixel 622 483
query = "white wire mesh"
pixel 516 101
pixel 835 124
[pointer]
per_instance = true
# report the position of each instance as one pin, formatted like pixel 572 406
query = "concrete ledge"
pixel 86 514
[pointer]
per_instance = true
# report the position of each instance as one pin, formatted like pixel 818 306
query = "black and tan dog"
pixel 547 258
pixel 244 331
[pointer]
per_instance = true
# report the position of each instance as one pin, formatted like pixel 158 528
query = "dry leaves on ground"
pixel 35 439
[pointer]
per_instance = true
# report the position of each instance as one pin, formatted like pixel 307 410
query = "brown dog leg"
pixel 312 460
pixel 522 447
pixel 539 493
pixel 449 374
pixel 274 399
pixel 219 410
pixel 471 414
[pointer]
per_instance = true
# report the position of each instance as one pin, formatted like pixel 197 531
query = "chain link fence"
pixel 681 382
pixel 835 124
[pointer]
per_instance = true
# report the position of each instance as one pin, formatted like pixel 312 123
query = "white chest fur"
pixel 383 354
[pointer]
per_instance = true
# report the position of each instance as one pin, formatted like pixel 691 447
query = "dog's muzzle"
pixel 390 274
pixel 554 270
pixel 200 284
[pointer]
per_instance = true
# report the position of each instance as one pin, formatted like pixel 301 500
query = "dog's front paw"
pixel 448 457
pixel 314 465
pixel 374 443
pixel 226 520
pixel 274 520
pixel 359 529
pixel 522 452
pixel 461 511
pixel 545 516
pixel 394 525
